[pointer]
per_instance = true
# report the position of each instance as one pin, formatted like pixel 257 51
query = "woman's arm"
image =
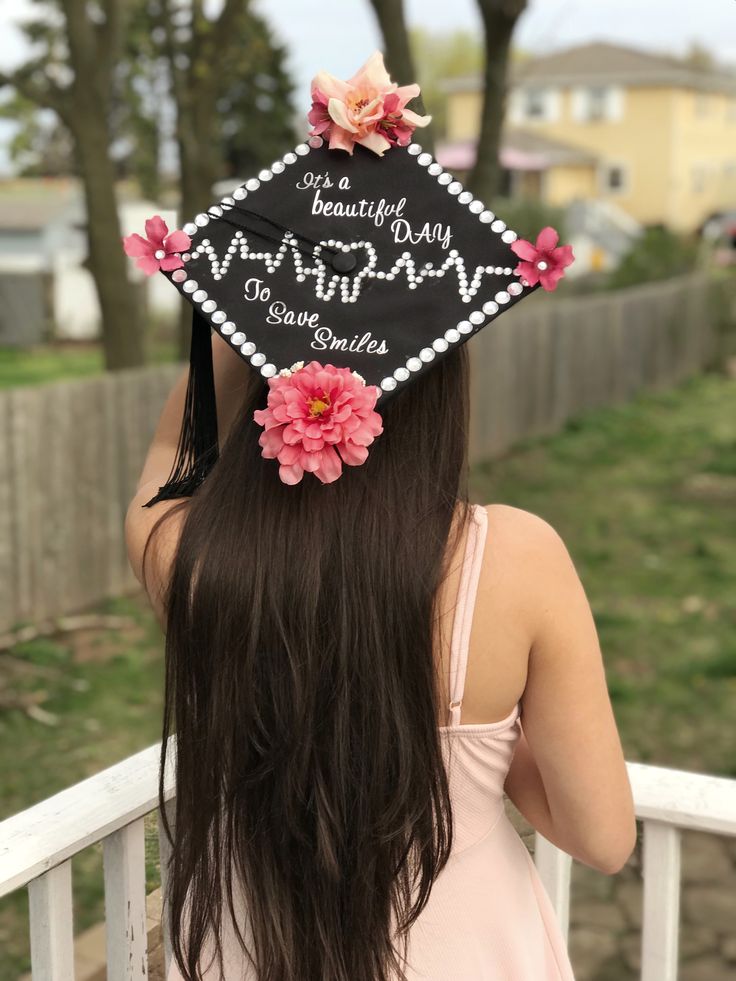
pixel 231 375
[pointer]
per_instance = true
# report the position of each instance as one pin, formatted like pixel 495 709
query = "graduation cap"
pixel 342 273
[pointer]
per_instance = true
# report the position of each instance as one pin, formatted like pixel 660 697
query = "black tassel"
pixel 197 451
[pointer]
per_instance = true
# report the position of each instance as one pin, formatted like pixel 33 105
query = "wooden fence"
pixel 72 451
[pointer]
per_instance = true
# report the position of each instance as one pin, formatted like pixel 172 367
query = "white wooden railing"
pixel 37 846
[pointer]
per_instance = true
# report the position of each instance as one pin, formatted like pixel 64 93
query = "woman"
pixel 357 672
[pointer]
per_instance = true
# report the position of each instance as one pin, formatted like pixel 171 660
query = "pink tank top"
pixel 488 917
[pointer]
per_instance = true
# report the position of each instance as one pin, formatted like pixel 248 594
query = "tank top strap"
pixel 469 577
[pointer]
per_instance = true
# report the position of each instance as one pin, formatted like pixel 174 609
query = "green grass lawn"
pixel 644 495
pixel 71 359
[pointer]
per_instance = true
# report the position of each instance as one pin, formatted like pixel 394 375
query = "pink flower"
pixel 314 412
pixel 542 263
pixel 159 250
pixel 368 109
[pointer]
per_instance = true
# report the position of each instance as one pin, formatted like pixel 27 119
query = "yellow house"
pixel 654 135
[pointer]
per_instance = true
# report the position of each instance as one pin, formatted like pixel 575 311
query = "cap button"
pixel 344 262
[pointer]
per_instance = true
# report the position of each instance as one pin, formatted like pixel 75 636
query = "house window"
pixel 615 179
pixel 535 104
pixel 596 104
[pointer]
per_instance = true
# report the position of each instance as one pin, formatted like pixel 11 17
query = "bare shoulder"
pixel 524 540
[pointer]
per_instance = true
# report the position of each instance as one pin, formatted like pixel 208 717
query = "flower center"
pixel 318 406
pixel 160 254
pixel 542 265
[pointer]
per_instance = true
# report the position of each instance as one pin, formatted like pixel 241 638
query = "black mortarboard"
pixel 380 264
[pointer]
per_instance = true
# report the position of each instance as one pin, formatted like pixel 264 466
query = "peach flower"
pixel 368 109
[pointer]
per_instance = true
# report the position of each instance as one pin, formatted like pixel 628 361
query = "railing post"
pixel 661 915
pixel 164 852
pixel 554 868
pixel 124 857
pixel 52 924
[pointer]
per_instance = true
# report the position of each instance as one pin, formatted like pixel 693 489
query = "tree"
pixel 499 20
pixel 77 45
pixel 219 67
pixel 443 56
pixel 398 55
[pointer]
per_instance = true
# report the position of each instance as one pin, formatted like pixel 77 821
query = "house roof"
pixel 604 63
pixel 520 150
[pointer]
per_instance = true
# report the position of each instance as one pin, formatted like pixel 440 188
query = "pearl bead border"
pixel 476 319
pixel 226 328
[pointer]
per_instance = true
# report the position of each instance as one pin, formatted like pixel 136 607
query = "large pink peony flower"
pixel 368 109
pixel 542 263
pixel 159 249
pixel 313 413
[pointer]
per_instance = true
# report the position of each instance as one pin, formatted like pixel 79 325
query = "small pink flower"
pixel 542 263
pixel 313 413
pixel 160 249
pixel 368 109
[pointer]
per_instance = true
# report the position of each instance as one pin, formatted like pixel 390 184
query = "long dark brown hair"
pixel 300 676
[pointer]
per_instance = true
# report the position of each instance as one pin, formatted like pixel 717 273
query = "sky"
pixel 338 35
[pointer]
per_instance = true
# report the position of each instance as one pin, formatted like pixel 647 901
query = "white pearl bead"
pixel 426 354
pixel 440 344
pixel 502 297
pixel 268 370
pixel 465 198
pixel 289 158
pixel 465 327
pixel 238 338
pixel 199 296
pixel 509 236
pixel 265 175
pixel 253 184
pixel 452 334
pixel 401 374
pixel 302 150
pixel 388 384
pixel 159 254
pixel 215 210
pixel 208 306
pixel 219 317
pixel 247 348
pixel 444 179
pixel 413 364
pixel 278 167
pixel 179 275
pixel 239 193
pixel 542 265
pixel 476 317
pixel 190 286
pixel 476 207
pixel 515 289
pixel 414 149
pixel 201 220
pixel 424 159
pixel 258 359
pixel 498 225
pixel 190 228
pixel 486 217
pixel 490 307
pixel 455 187
pixel 316 142
pixel 434 169
pixel 227 328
